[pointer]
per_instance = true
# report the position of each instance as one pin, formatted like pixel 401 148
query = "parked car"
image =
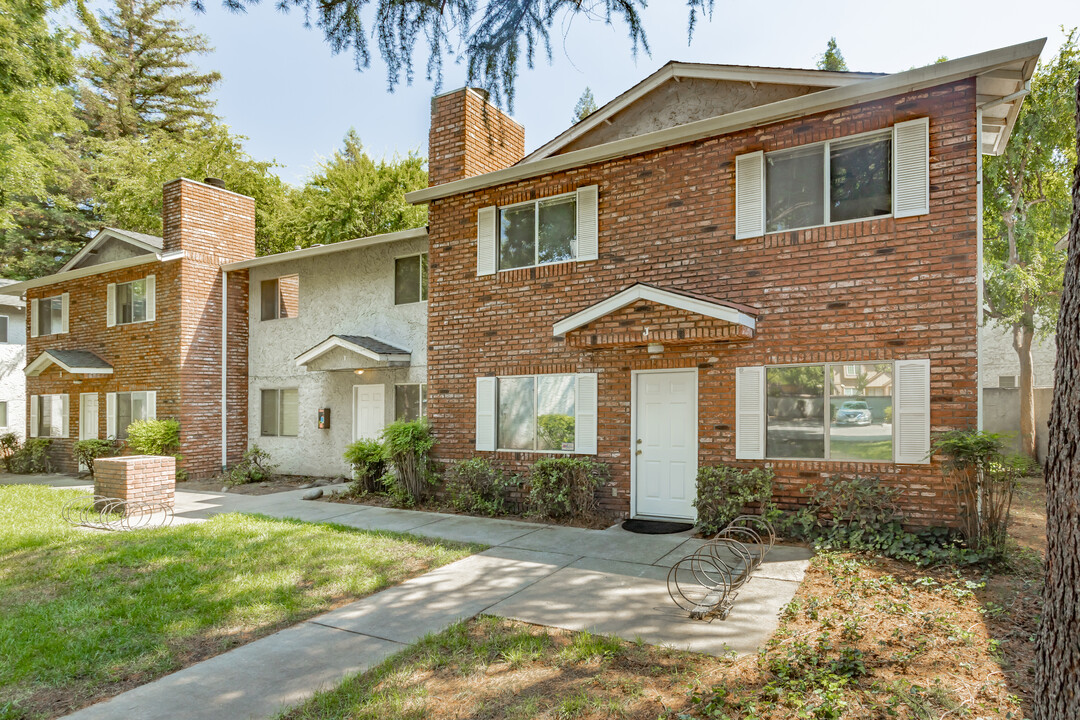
pixel 853 412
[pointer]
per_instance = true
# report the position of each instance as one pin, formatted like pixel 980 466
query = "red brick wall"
pixel 865 291
pixel 470 136
pixel 138 478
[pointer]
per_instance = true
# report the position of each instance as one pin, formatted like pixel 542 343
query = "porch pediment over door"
pixel 351 352
pixel 643 314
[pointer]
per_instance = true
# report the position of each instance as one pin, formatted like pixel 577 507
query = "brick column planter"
pixel 136 478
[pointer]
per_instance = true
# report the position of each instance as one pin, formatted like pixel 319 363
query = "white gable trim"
pixel 335 342
pixel 635 293
pixel 99 239
pixel 20 287
pixel 44 360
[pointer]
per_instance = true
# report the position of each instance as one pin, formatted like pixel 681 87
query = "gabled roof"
pixel 677 71
pixel 140 241
pixel 314 250
pixel 999 72
pixel 734 313
pixel 77 362
pixel 364 345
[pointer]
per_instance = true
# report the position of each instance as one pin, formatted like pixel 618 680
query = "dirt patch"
pixel 278 483
pixel 1028 526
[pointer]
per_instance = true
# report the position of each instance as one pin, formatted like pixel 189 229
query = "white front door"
pixel 665 443
pixel 368 411
pixel 88 416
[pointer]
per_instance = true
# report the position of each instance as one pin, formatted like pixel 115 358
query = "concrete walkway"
pixel 607 581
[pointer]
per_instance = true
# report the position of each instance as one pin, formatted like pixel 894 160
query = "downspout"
pixel 224 365
pixel 979 266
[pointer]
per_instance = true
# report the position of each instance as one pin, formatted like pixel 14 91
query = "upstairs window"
pixel 279 297
pixel 539 232
pixel 410 279
pixel 131 302
pixel 49 318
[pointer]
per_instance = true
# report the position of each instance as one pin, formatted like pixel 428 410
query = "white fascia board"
pixel 861 92
pixel 44 360
pixel 101 237
pixel 335 342
pixel 313 251
pixel 21 287
pixel 635 293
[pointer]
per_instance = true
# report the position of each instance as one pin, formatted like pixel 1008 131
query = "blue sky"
pixel 285 91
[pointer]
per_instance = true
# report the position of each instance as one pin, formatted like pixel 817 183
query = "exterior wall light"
pixel 359 371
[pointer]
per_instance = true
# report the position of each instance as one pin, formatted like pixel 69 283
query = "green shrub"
pixel 30 457
pixel 563 487
pixel 723 492
pixel 157 437
pixel 87 451
pixel 9 443
pixel 476 486
pixel 255 466
pixel 406 445
pixel 368 461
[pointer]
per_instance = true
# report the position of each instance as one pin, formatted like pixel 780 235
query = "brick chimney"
pixel 208 221
pixel 470 136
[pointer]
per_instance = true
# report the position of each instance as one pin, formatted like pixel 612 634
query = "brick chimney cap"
pixel 215 182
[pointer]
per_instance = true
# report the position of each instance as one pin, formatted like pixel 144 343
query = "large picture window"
pixel 830 412
pixel 50 319
pixel 831 182
pixel 410 279
pixel 131 302
pixel 130 406
pixel 537 412
pixel 49 411
pixel 410 401
pixel 538 232
pixel 280 412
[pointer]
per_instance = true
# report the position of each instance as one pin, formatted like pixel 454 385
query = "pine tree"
pixel 586 106
pixel 139 76
pixel 832 59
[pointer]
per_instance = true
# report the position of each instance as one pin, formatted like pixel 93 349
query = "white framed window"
pixel 410 401
pixel 49 416
pixel 124 408
pixel 859 177
pixel 410 279
pixel 537 412
pixel 48 316
pixel 3 329
pixel 881 413
pixel 279 297
pixel 280 412
pixel 851 370
pixel 131 302
pixel 3 414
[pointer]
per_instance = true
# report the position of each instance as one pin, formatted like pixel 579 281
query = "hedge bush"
pixel 29 457
pixel 406 445
pixel 254 466
pixel 477 486
pixel 86 452
pixel 368 461
pixel 157 437
pixel 564 487
pixel 723 492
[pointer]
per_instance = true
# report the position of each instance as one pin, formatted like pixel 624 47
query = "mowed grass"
pixel 85 614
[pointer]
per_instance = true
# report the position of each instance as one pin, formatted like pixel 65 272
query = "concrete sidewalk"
pixel 607 581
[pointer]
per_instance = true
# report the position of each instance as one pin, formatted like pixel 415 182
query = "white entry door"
pixel 665 443
pixel 88 416
pixel 368 411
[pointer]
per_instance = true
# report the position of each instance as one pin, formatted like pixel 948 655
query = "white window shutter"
pixel 750 195
pixel 586 407
pixel 750 413
pixel 151 405
pixel 34 320
pixel 486 399
pixel 911 168
pixel 588 228
pixel 65 413
pixel 911 411
pixel 486 240
pixel 110 305
pixel 110 415
pixel 151 297
pixel 65 304
pixel 34 414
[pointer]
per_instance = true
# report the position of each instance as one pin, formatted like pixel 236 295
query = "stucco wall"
pixel 344 293
pixel 997 357
pixel 12 362
pixel 1001 414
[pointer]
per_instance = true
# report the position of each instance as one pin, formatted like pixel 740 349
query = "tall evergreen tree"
pixel 586 106
pixel 832 58
pixel 139 76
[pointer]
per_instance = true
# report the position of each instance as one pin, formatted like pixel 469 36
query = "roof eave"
pixel 21 287
pixel 314 251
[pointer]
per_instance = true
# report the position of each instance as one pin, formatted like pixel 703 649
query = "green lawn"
pixel 84 614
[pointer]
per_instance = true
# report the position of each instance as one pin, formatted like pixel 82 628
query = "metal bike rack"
pixel 707 581
pixel 105 513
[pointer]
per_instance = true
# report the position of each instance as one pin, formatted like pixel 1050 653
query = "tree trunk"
pixel 1022 336
pixel 1057 652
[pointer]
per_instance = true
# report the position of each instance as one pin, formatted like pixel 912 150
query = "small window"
pixel 410 402
pixel 537 413
pixel 410 279
pixel 50 416
pixel 3 414
pixel 860 179
pixel 3 330
pixel 795 188
pixel 280 412
pixel 280 297
pixel 131 302
pixel 130 407
pixel 538 233
pixel 50 319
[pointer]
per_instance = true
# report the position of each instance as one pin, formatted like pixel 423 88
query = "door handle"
pixel 638 452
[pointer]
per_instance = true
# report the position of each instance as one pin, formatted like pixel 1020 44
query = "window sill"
pixel 540 452
pixel 290 317
pixel 414 302
pixel 833 460
pixel 135 322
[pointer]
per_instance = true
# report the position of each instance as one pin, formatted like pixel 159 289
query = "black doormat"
pixel 656 527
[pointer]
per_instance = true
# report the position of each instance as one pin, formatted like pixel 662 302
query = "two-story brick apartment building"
pixel 133 327
pixel 723 265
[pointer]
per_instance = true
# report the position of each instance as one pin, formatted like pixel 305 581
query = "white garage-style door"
pixel 665 443
pixel 368 411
